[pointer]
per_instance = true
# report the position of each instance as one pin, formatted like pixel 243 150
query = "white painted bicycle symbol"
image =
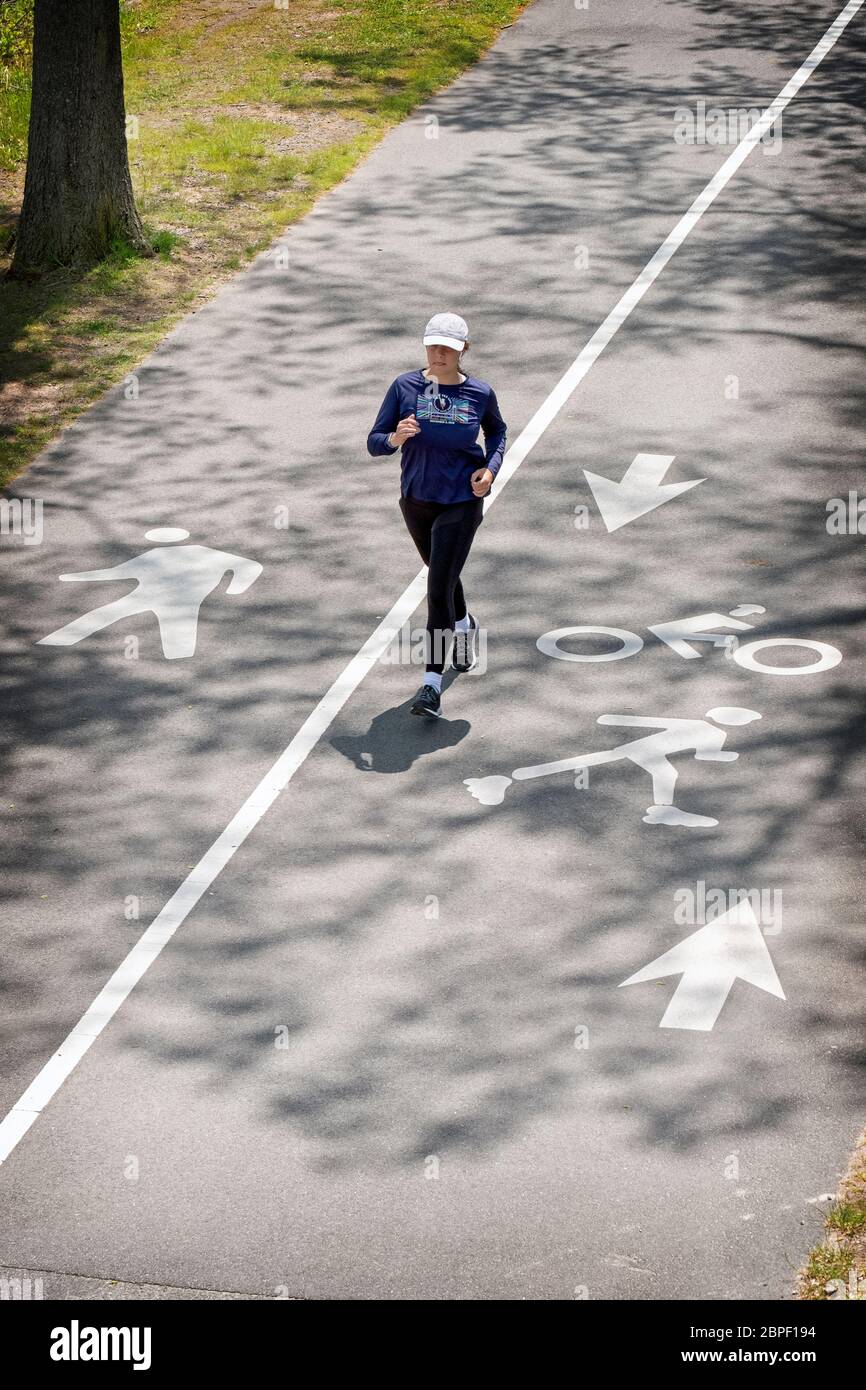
pixel 700 627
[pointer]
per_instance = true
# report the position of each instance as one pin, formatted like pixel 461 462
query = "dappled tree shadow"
pixel 449 1033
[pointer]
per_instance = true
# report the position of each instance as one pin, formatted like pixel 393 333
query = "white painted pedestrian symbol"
pixel 651 753
pixel 173 582
pixel 710 960
pixel 639 491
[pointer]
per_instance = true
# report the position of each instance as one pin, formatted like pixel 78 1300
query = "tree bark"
pixel 77 190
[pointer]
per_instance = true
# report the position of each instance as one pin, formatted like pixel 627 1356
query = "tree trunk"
pixel 77 191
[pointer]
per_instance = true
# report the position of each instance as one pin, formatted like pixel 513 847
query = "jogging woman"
pixel 433 415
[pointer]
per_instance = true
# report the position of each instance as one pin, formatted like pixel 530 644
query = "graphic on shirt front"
pixel 442 409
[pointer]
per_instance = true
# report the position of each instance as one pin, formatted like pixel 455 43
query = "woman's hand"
pixel 405 430
pixel 482 481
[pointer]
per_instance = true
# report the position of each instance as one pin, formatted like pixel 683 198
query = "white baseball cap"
pixel 448 329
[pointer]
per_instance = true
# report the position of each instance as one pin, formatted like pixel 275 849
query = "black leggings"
pixel 443 533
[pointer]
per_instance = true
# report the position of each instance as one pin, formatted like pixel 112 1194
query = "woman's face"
pixel 442 361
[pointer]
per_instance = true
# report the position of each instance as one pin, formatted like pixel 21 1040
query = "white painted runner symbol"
pixel 652 752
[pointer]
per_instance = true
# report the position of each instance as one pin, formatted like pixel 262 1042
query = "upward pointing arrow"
pixel 639 491
pixel 710 960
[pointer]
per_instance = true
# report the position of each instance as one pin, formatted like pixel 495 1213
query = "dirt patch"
pixel 214 15
pixel 219 13
pixel 11 193
pixel 315 130
pixel 20 401
pixel 310 129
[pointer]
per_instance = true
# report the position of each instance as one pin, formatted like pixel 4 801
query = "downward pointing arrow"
pixel 639 491
pixel 710 960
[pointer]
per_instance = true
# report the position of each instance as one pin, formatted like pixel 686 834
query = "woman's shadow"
pixel 396 738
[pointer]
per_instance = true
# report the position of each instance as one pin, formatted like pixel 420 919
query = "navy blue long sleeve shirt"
pixel 439 461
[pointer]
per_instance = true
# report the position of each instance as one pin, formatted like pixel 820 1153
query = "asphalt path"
pixel 386 1052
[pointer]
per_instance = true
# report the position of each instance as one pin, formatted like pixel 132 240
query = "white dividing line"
pixel 180 904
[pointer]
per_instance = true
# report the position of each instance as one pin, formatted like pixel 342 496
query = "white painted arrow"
pixel 639 491
pixel 730 948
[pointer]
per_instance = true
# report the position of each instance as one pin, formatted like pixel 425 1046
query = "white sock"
pixel 462 624
pixel 433 678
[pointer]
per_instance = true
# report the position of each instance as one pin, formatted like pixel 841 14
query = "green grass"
pixel 16 31
pixel 16 35
pixel 95 327
pixel 847 1218
pixel 14 115
pixel 843 1251
pixel 214 183
pixel 824 1265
